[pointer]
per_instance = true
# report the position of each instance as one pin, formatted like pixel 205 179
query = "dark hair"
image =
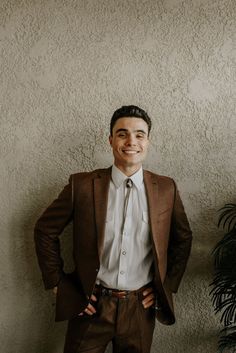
pixel 130 111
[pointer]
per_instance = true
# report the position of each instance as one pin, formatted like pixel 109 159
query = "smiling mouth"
pixel 130 151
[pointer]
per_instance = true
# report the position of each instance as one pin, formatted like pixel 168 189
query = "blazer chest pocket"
pixel 109 226
pixel 144 227
pixel 109 216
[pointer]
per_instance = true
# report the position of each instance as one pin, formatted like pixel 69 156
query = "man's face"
pixel 129 142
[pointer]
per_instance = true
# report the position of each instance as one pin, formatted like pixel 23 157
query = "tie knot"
pixel 129 183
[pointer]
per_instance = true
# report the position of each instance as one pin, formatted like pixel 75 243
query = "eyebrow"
pixel 125 130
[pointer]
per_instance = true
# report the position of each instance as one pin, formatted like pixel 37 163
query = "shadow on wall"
pixel 31 308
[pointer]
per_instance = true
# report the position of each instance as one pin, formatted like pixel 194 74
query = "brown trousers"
pixel 124 322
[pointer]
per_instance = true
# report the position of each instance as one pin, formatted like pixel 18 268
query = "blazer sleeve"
pixel 179 244
pixel 47 229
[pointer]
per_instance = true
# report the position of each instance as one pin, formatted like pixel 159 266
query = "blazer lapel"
pixel 154 206
pixel 101 188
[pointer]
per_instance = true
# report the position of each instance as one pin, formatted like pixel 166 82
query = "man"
pixel 131 243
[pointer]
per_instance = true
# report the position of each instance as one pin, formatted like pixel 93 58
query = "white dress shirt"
pixel 127 258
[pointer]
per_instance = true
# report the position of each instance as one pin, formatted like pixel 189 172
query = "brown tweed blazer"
pixel 84 201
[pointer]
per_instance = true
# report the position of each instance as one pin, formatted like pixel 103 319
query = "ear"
pixel 110 140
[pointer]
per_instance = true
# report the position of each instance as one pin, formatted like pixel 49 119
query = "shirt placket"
pixel 125 244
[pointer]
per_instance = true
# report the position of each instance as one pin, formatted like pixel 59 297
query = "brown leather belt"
pixel 121 294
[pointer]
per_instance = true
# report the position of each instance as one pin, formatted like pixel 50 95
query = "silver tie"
pixel 129 185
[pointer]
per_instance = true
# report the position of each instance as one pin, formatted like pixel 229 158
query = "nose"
pixel 131 140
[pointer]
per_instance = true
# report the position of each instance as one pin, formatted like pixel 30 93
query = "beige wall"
pixel 65 67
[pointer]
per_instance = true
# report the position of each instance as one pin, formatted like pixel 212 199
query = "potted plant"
pixel 223 293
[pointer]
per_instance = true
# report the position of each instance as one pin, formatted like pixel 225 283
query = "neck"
pixel 128 170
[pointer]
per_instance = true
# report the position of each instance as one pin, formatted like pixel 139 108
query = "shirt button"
pixel 124 232
pixel 123 252
pixel 122 272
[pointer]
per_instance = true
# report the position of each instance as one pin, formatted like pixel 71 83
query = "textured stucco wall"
pixel 65 66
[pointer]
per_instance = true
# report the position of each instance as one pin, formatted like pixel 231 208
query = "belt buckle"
pixel 104 291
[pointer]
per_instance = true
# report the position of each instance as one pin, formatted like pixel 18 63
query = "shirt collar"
pixel 118 177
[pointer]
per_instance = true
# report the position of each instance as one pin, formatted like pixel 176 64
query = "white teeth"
pixel 130 152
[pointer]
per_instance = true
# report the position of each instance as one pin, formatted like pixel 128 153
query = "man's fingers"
pixel 149 304
pixel 90 310
pixel 54 290
pixel 147 291
pixel 149 299
pixel 93 298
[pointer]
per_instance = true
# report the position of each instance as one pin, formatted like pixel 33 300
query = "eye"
pixel 140 136
pixel 121 134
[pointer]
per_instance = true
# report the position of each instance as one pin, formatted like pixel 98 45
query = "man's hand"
pixel 149 299
pixel 54 290
pixel 90 310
